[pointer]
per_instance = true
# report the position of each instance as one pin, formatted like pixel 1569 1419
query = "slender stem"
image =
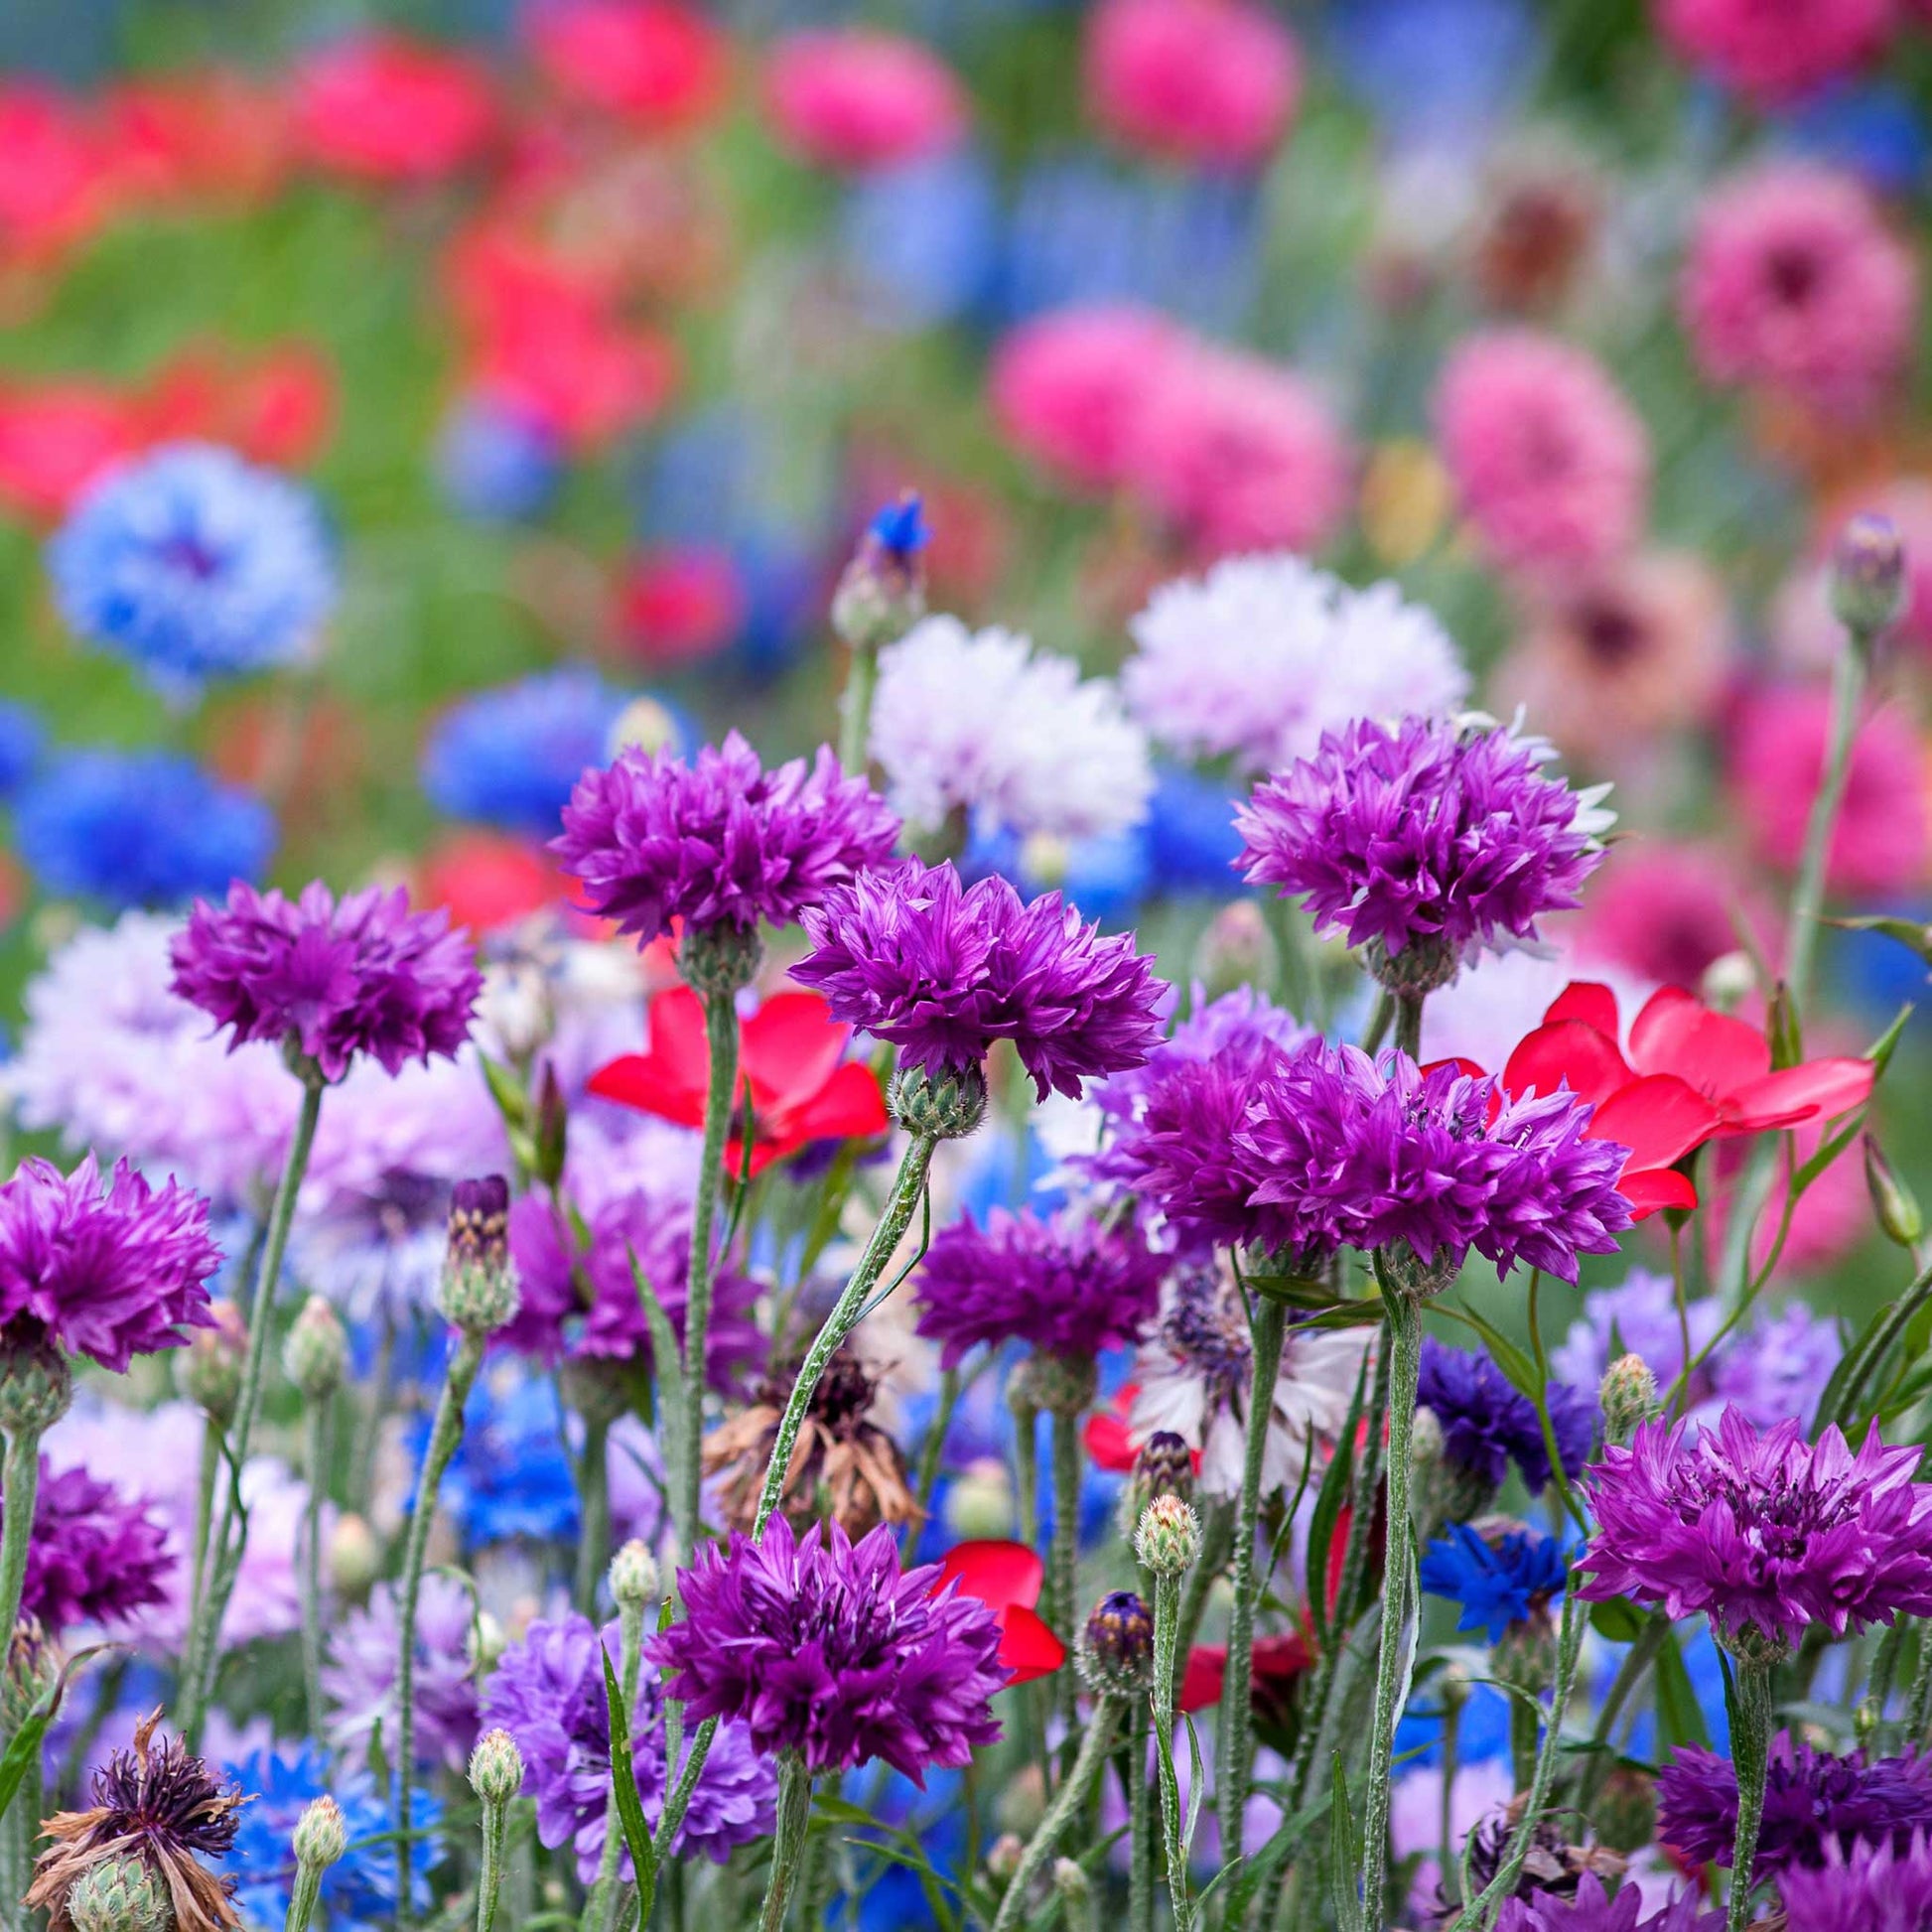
pixel 205 1502
pixel 931 1450
pixel 1629 1674
pixel 1140 1819
pixel 1381 1015
pixel 302 1899
pixel 1749 1751
pixel 20 1483
pixel 672 1817
pixel 1167 1631
pixel 593 1540
pixel 1453 1697
pixel 908 1186
pixel 489 1879
pixel 855 708
pixel 1407 1024
pixel 1067 1804
pixel 1268 1323
pixel 1405 1363
pixel 1216 1538
pixel 445 1435
pixel 1065 1551
pixel 1808 893
pixel 788 1840
pixel 721 1041
pixel 1866 1364
pixel 1026 1469
pixel 362 1480
pixel 231 1537
pixel 1524 1727
pixel 315 1456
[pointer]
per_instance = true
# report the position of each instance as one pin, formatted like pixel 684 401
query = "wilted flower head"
pixel 95 1555
pixel 338 979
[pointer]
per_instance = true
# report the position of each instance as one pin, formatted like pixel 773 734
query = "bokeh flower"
pixel 1775 55
pixel 857 99
pixel 94 1556
pixel 382 107
pixel 1487 1424
pixel 358 1676
pixel 658 64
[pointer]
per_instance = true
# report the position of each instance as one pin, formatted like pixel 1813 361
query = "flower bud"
pixel 32 1668
pixel 1236 950
pixel 1423 966
pixel 1525 1655
pixel 1868 577
pixel 1072 1884
pixel 1168 1540
pixel 321 1835
pixel 1002 1860
pixel 208 1370
pixel 479 1290
pixel 1163 1465
pixel 1023 1804
pixel 1115 1652
pixel 355 1557
pixel 486 1641
pixel 880 593
pixel 979 1502
pixel 947 1109
pixel 317 1351
pixel 1629 1397
pixel 634 1578
pixel 1729 981
pixel 1894 1204
pixel 1625 1810
pixel 717 960
pixel 36 1386
pixel 643 725
pixel 551 1139
pixel 1061 1385
pixel 496 1768
pixel 117 1896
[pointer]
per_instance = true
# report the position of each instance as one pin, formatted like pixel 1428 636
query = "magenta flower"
pixel 908 955
pixel 1593 1911
pixel 365 976
pixel 823 1647
pixel 1868 1889
pixel 94 1556
pixel 107 1273
pixel 1766 1533
pixel 719 842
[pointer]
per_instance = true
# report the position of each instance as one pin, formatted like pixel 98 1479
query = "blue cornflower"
pixel 138 828
pixel 899 528
pixel 1497 1584
pixel 22 738
pixel 1487 1423
pixel 920 244
pixel 362 1884
pixel 497 464
pixel 512 1475
pixel 195 565
pixel 510 757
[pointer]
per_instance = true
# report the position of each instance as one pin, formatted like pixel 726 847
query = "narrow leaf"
pixel 624 1787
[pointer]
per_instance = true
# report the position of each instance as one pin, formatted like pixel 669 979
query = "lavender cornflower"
pixel 365 976
pixel 548 1692
pixel 720 842
pixel 94 1555
pixel 908 955
pixel 1766 1535
pixel 359 1677
pixel 1423 842
pixel 1592 1911
pixel 1487 1424
pixel 1065 1287
pixel 823 1648
pixel 1815 1805
pixel 1868 1889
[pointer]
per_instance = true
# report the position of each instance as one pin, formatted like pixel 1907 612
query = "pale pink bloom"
pixel 1773 50
pixel 1235 453
pixel 1663 911
pixel 1795 284
pixel 857 99
pixel 1551 465
pixel 1069 388
pixel 1776 761
pixel 1210 80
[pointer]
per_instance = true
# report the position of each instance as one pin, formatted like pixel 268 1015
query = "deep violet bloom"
pixel 362 976
pixel 908 955
pixel 94 1556
pixel 1497 1582
pixel 109 1272
pixel 548 1692
pixel 1761 1532
pixel 823 1647
pixel 720 841
pixel 1422 834
pixel 1065 1287
pixel 1591 1911
pixel 1868 1889
pixel 1813 1803
pixel 1487 1423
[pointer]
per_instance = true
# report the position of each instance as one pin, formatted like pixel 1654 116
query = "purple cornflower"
pixel 1814 1804
pixel 1487 1424
pixel 365 976
pixel 107 1273
pixel 908 955
pixel 359 1677
pixel 1768 1533
pixel 1422 835
pixel 1870 1890
pixel 548 1692
pixel 94 1556
pixel 1063 1287
pixel 721 841
pixel 1594 1912
pixel 822 1647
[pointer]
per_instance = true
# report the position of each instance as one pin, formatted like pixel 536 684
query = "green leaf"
pixel 1344 1854
pixel 1616 1620
pixel 1680 1721
pixel 24 1748
pixel 1196 1788
pixel 1882 1048
pixel 511 1098
pixel 624 1786
pixel 1513 1362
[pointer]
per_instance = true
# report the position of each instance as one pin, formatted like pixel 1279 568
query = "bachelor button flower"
pixel 22 740
pixel 1868 1889
pixel 94 1556
pixel 137 828
pixel 1765 1534
pixel 362 976
pixel 1776 55
pixel 359 1677
pixel 822 1647
pixel 1497 1583
pixel 908 955
pixel 195 564
pixel 1486 1424
pixel 1592 1911
pixel 1065 1287
pixel 548 1692
pixel 856 100
pixel 1426 836
pixel 511 757
pixel 720 842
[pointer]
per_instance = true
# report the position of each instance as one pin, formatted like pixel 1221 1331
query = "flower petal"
pixel 997 1572
pixel 1659 1118
pixel 1677 1032
pixel 1567 1049
pixel 1815 1090
pixel 791 1046
pixel 1589 1003
pixel 1648 1189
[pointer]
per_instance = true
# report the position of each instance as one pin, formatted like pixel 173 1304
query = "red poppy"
pixel 674 606
pixel 382 107
pixel 1007 1578
pixel 55 438
pixel 1110 1442
pixel 488 880
pixel 657 62
pixel 791 1054
pixel 1276 1664
pixel 58 181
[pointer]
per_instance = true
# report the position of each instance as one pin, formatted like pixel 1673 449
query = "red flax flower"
pixel 1007 1578
pixel 791 1054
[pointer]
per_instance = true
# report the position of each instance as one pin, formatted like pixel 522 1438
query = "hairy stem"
pixel 1167 1629
pixel 788 1840
pixel 593 1541
pixel 315 1456
pixel 1749 1751
pixel 1067 1804
pixel 1064 1567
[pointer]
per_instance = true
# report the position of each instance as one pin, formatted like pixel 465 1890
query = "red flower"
pixel 58 183
pixel 1005 1578
pixel 676 605
pixel 1274 1665
pixel 1109 1438
pixel 205 133
pixel 791 1054
pixel 55 438
pixel 382 107
pixel 488 880
pixel 657 62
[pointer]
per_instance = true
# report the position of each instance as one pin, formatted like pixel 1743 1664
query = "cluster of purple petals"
pixel 909 955
pixel 1814 1804
pixel 1065 1287
pixel 823 1647
pixel 1869 1890
pixel 365 976
pixel 1488 1423
pixel 1767 1532
pixel 552 1320
pixel 721 841
pixel 1592 1911
pixel 109 1272
pixel 359 1676
pixel 1419 834
pixel 94 1556
pixel 548 1692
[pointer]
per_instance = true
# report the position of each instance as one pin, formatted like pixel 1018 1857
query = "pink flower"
pixel 1069 388
pixel 1663 911
pixel 1776 760
pixel 857 99
pixel 1793 281
pixel 1551 465
pixel 1238 453
pixel 657 62
pixel 382 107
pixel 1773 50
pixel 1210 80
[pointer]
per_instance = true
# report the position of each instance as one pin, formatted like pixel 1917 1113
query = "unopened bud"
pixel 317 1351
pixel 1868 577
pixel 1002 1860
pixel 36 1386
pixel 1629 1397
pixel 979 1502
pixel 1729 981
pixel 1060 1385
pixel 355 1557
pixel 1894 1204
pixel 1236 950
pixel 117 1896
pixel 1625 1812
pixel 321 1835
pixel 634 1578
pixel 719 959
pixel 208 1370
pixel 1023 1804
pixel 479 1290
pixel 880 593
pixel 550 1142
pixel 1168 1539
pixel 1163 1465
pixel 32 1668
pixel 1525 1655
pixel 496 1768
pixel 1115 1652
pixel 946 1109
pixel 1071 1882
pixel 485 1642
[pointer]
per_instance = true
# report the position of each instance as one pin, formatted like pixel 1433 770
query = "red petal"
pixel 1677 1034
pixel 1461 1066
pixel 1202 1677
pixel 678 1042
pixel 1659 1118
pixel 791 1046
pixel 1109 1445
pixel 1028 1648
pixel 1815 1090
pixel 1591 1003
pixel 1649 1189
pixel 639 1080
pixel 849 1104
pixel 1567 1049
pixel 998 1572
pixel 1338 1554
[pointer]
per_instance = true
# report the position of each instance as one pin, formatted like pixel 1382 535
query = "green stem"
pixel 21 1477
pixel 1268 1323
pixel 1808 895
pixel 1381 1015
pixel 1166 1648
pixel 930 1452
pixel 1140 1816
pixel 1866 1363
pixel 445 1435
pixel 1749 1750
pixel 302 1899
pixel 721 1041
pixel 1453 1697
pixel 855 709
pixel 489 1879
pixel 315 1456
pixel 593 1542
pixel 1067 1804
pixel 1407 1024
pixel 205 1502
pixel 1065 1551
pixel 600 1912
pixel 788 1840
pixel 200 1652
pixel 1524 1727
pixel 1629 1674
pixel 1026 1469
